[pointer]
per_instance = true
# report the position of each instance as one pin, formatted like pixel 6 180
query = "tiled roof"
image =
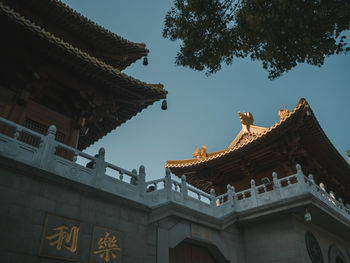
pixel 87 65
pixel 54 12
pixel 95 64
pixel 239 145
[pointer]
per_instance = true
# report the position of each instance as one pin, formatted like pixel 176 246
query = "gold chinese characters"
pixel 60 238
pixel 63 236
pixel 107 246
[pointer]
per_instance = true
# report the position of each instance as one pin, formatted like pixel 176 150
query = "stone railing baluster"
pixel 184 190
pixel 141 182
pixel 302 185
pixel 231 195
pixel 167 184
pixel 175 186
pixel 49 148
pixel 134 178
pixel 99 167
pixel 253 193
pixel 212 198
pixel 313 184
pixel 17 133
pixel 276 186
pixel 75 157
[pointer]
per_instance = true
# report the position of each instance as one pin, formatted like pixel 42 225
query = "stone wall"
pixel 28 194
pixel 271 240
pixel 325 237
pixel 35 202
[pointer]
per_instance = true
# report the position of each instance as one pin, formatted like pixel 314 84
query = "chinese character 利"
pixel 106 247
pixel 63 236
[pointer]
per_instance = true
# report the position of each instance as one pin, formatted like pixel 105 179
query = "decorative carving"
pixel 283 113
pixel 200 153
pixel 246 118
pixel 247 137
pixel 313 248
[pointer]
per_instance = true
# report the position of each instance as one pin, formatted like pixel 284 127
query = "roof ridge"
pixel 75 13
pixel 191 162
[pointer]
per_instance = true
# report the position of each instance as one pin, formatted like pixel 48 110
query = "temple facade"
pixel 68 73
pixel 278 194
pixel 257 152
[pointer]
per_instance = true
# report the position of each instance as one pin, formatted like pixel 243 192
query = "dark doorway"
pixel 187 252
pixel 338 260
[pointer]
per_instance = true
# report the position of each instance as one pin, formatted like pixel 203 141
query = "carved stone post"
pixel 48 149
pixel 141 182
pixel 313 185
pixel 212 198
pixel 134 178
pixel 168 186
pixel 341 204
pixel 302 185
pixel 253 193
pixel 12 149
pixel 99 167
pixel 276 186
pixel 231 195
pixel 184 190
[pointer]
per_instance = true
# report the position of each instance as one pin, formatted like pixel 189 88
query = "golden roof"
pixel 248 135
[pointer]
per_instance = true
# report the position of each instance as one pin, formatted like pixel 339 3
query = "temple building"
pixel 68 73
pixel 278 194
pixel 257 152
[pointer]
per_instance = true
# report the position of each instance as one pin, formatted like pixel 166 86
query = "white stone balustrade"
pixel 161 191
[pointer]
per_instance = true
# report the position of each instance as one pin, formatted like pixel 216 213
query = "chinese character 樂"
pixel 107 246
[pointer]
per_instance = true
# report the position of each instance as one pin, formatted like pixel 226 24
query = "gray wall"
pixel 28 194
pixel 271 240
pixel 325 238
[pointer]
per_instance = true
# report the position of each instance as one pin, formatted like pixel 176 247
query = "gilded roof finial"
pixel 283 113
pixel 200 153
pixel 247 119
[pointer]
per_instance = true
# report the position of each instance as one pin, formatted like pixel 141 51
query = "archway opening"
pixel 188 252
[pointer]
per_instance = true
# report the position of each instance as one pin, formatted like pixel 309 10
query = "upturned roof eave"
pixel 213 158
pixel 85 64
pixel 78 54
pixel 83 28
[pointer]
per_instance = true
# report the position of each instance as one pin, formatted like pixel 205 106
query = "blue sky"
pixel 203 110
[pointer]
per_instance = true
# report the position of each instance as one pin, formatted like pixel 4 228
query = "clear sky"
pixel 203 110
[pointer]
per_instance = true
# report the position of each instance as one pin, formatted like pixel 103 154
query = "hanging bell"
pixel 145 61
pixel 164 105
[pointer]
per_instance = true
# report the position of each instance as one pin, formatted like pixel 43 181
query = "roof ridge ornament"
pixel 246 119
pixel 283 113
pixel 200 153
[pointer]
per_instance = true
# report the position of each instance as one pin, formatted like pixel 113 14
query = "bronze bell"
pixel 164 105
pixel 145 61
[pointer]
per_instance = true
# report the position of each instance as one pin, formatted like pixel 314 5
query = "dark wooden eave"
pixel 26 44
pixel 67 24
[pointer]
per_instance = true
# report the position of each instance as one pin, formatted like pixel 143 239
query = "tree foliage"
pixel 279 33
